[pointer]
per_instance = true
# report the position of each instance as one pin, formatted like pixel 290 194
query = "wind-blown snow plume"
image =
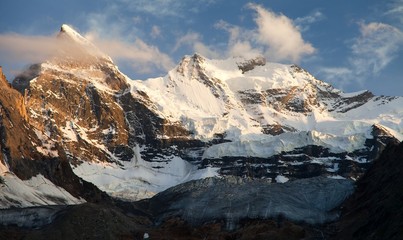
pixel 143 58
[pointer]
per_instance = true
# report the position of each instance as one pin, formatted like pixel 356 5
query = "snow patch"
pixel 139 179
pixel 281 179
pixel 47 147
pixel 36 191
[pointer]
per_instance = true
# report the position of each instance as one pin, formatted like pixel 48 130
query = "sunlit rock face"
pixel 33 170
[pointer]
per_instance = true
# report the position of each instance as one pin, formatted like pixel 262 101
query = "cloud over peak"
pixel 276 37
pixel 282 39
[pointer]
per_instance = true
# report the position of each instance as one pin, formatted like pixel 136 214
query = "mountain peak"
pixel 3 79
pixel 67 30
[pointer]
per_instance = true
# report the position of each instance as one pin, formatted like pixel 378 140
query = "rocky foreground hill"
pixel 212 143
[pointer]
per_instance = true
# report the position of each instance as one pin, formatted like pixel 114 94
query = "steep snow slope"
pixel 264 110
pixel 35 191
pixel 216 96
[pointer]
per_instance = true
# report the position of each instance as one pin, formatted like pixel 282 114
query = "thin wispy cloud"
pixel 21 48
pixel 304 23
pixel 122 42
pixel 395 10
pixel 155 31
pixel 376 46
pixel 341 75
pixel 35 49
pixel 142 57
pixel 166 8
pixel 187 39
pixel 194 41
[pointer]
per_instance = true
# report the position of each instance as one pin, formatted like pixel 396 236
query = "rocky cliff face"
pixel 14 127
pixel 27 155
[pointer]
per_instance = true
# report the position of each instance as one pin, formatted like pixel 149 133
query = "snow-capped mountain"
pixel 242 117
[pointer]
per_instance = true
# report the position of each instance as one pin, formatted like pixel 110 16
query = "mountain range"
pixel 75 129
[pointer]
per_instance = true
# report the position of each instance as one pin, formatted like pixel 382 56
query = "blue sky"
pixel 353 45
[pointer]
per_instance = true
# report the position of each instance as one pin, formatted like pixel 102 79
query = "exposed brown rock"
pixel 17 140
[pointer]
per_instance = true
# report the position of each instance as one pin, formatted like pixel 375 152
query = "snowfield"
pixel 139 179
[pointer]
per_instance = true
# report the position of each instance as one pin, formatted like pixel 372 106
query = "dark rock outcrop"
pixel 375 210
pixel 251 64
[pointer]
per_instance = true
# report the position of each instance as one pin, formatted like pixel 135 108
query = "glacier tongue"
pixel 232 199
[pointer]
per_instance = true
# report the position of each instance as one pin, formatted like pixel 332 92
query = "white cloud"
pixel 16 48
pixel 276 37
pixel 243 48
pixel 236 33
pixel 208 51
pixel 282 39
pixel 239 41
